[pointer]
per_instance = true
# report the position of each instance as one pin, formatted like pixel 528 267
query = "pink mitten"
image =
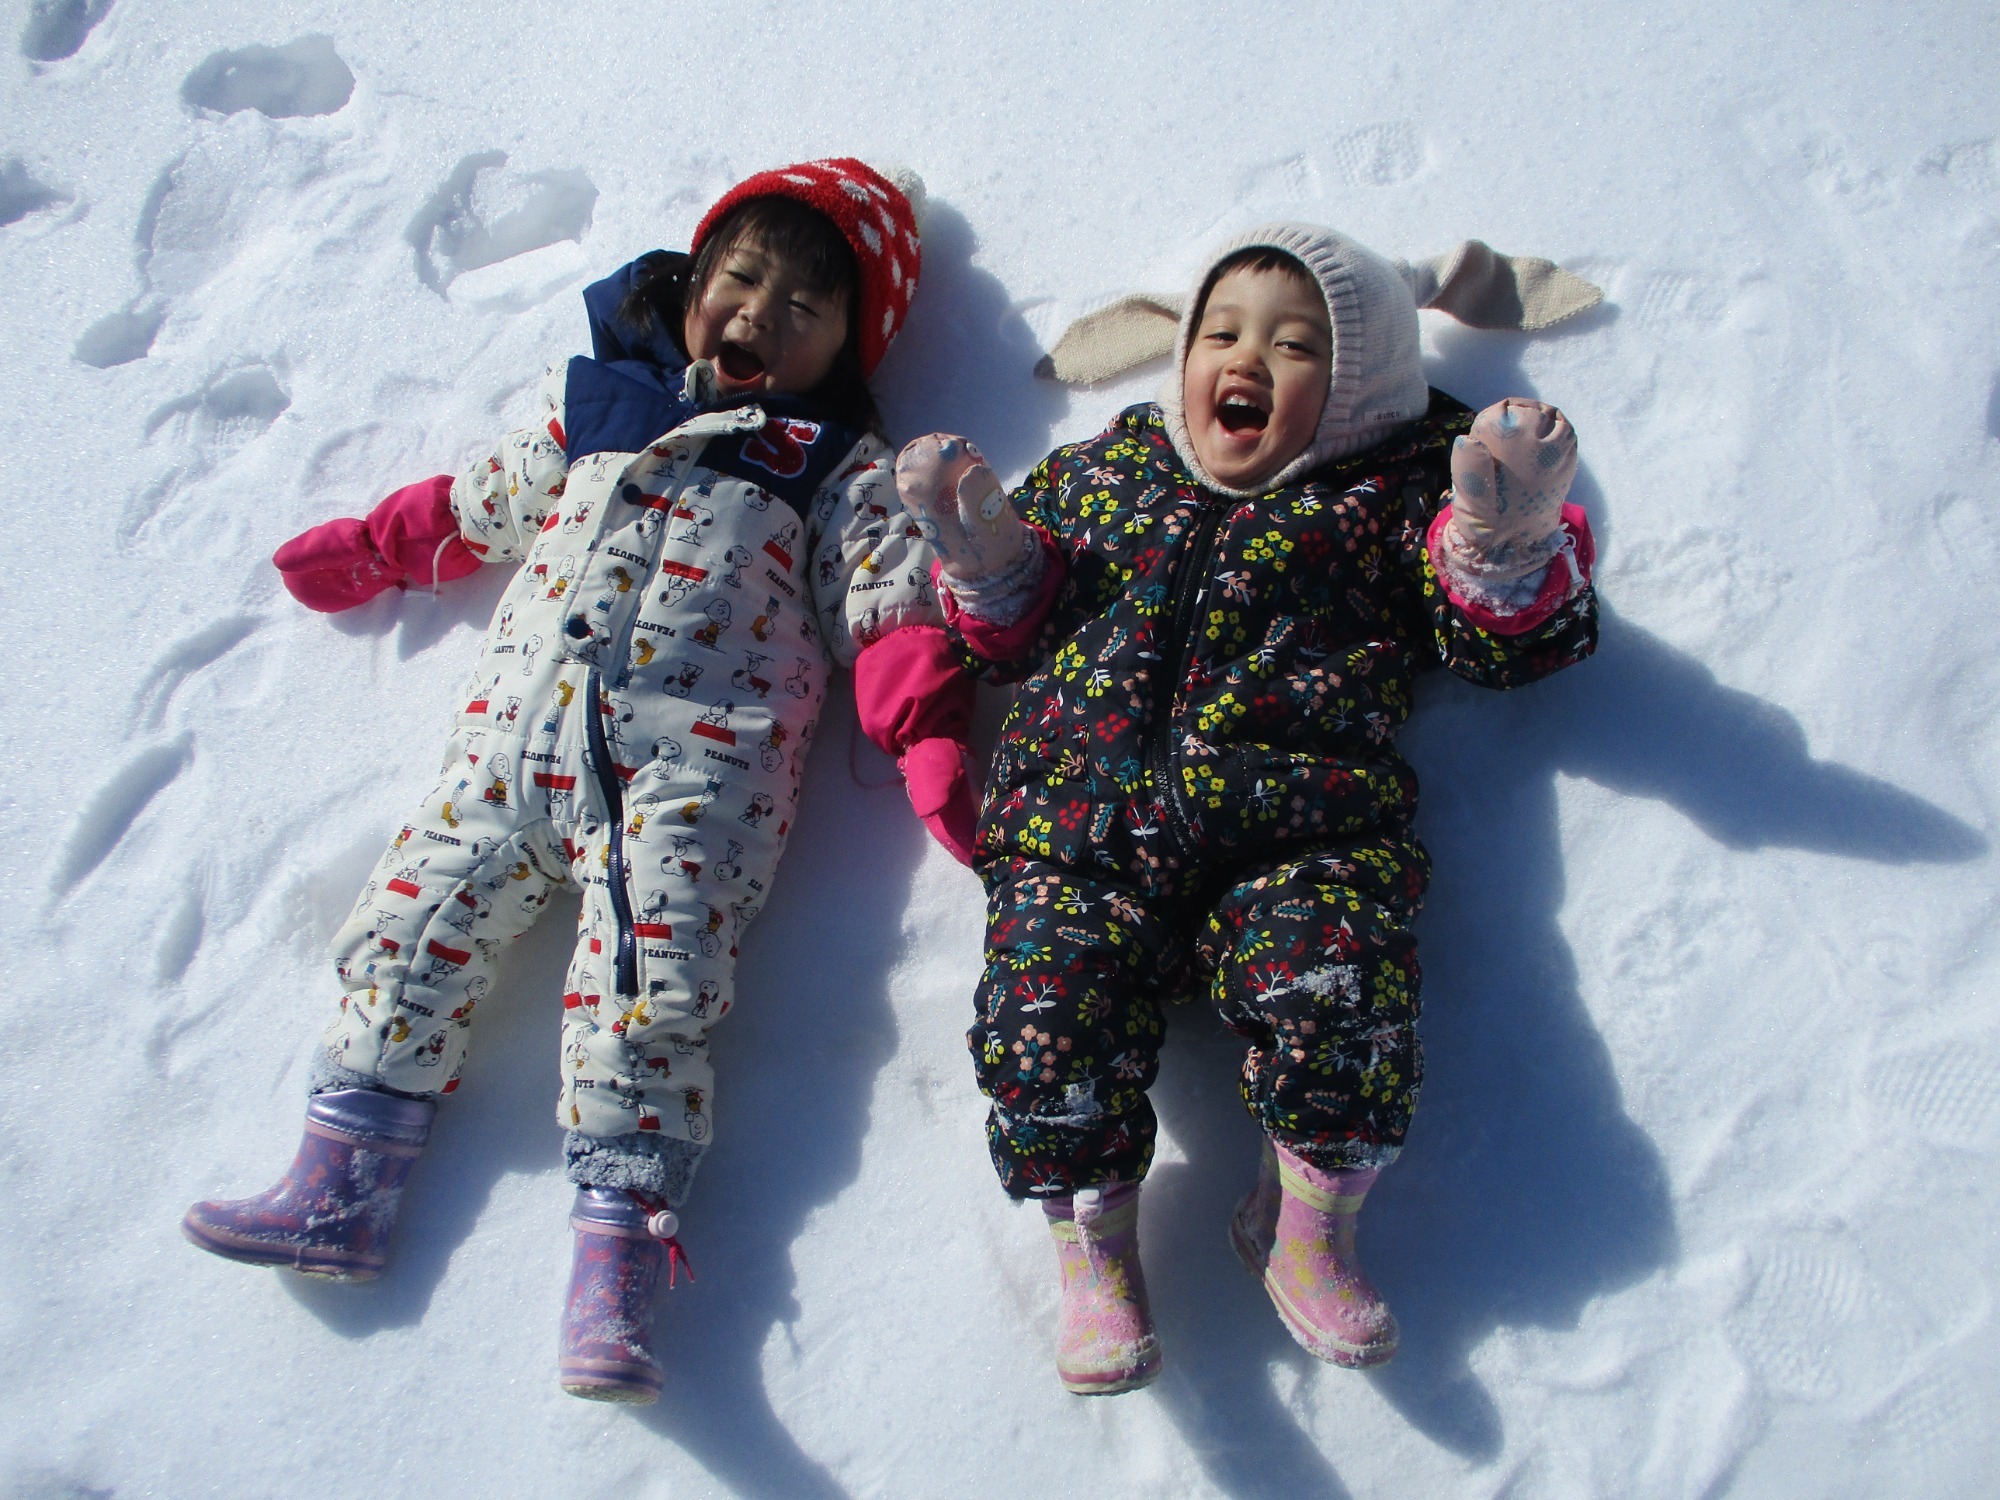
pixel 411 537
pixel 915 701
pixel 991 560
pixel 1508 480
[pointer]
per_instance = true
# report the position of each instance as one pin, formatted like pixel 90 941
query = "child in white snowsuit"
pixel 1216 614
pixel 703 521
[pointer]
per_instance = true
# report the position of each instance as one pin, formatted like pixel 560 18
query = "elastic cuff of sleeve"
pixel 997 640
pixel 1002 598
pixel 1513 606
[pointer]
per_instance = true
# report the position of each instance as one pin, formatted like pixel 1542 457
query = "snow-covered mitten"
pixel 410 537
pixel 991 560
pixel 622 1240
pixel 1106 1342
pixel 1508 481
pixel 914 700
pixel 1295 1231
pixel 332 1212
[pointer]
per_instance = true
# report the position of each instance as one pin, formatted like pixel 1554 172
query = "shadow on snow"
pixel 1526 1191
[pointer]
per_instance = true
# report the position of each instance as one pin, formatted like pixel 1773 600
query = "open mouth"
pixel 738 364
pixel 1239 415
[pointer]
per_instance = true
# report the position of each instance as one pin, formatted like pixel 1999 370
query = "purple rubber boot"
pixel 607 1326
pixel 1295 1232
pixel 331 1213
pixel 1106 1342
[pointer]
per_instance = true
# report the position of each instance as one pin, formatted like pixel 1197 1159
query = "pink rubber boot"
pixel 1295 1230
pixel 1106 1342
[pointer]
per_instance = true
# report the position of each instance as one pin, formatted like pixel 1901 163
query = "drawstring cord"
pixel 1086 1208
pixel 1567 552
pixel 677 1257
pixel 663 1224
pixel 438 557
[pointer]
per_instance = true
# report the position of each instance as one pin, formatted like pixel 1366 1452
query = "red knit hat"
pixel 873 214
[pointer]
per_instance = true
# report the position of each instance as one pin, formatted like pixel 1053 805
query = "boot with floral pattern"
pixel 331 1213
pixel 622 1240
pixel 1106 1342
pixel 1295 1230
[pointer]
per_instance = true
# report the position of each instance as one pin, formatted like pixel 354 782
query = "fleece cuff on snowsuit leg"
pixel 329 1076
pixel 660 1166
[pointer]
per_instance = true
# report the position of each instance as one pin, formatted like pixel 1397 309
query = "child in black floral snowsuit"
pixel 1216 615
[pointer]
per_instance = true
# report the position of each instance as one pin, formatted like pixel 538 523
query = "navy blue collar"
pixel 630 392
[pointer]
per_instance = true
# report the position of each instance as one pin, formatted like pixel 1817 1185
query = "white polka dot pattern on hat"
pixel 877 217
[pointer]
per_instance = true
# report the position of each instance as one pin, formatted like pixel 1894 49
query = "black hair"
pixel 664 284
pixel 1252 258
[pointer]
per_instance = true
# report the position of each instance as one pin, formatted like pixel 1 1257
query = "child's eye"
pixel 801 306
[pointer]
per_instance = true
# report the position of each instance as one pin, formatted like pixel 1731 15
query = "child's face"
pixel 765 327
pixel 1256 375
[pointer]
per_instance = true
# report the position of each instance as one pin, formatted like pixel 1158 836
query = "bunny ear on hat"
pixel 1485 289
pixel 1475 284
pixel 1117 337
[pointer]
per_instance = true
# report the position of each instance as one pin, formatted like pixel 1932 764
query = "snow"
pixel 1701 1198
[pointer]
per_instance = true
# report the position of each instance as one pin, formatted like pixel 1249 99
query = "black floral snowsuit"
pixel 1199 777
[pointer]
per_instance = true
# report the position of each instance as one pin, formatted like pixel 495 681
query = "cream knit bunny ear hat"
pixel 1377 383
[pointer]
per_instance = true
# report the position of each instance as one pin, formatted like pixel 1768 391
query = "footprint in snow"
pixel 1674 299
pixel 1816 1324
pixel 232 408
pixel 121 337
pixel 114 808
pixel 1930 1426
pixel 305 77
pixel 1966 527
pixel 1281 184
pixel 178 938
pixel 1970 165
pixel 1379 155
pixel 353 460
pixel 55 29
pixel 203 210
pixel 1949 1096
pixel 183 659
pixel 206 428
pixel 22 194
pixel 483 214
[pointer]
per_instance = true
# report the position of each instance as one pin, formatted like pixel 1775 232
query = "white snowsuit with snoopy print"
pixel 636 725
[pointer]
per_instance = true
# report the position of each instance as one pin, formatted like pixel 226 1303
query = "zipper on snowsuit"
pixel 609 787
pixel 1186 598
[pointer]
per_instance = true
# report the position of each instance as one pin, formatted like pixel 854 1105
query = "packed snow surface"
pixel 1702 1197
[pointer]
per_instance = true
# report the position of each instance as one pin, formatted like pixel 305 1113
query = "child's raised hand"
pixel 1508 480
pixel 955 498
